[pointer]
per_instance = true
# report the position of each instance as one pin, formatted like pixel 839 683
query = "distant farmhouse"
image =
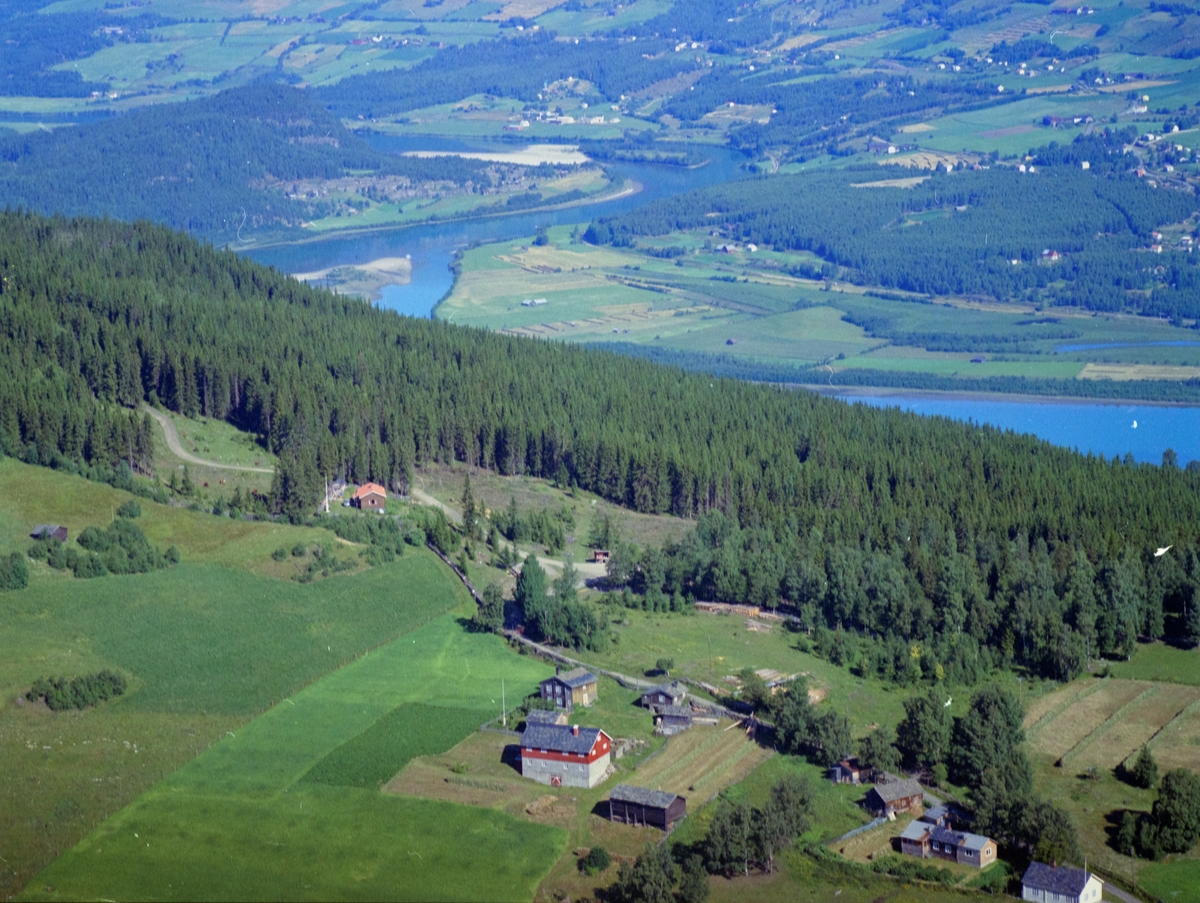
pixel 894 795
pixel 571 688
pixel 49 531
pixel 927 840
pixel 668 694
pixel 563 756
pixel 369 496
pixel 1062 884
pixel 601 556
pixel 649 808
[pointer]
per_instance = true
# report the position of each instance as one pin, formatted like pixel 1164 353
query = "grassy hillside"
pixel 239 822
pixel 205 645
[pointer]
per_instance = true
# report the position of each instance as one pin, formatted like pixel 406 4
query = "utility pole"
pixel 710 665
pixel 503 706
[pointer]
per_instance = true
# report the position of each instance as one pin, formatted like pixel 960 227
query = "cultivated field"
pixel 240 822
pixel 1080 735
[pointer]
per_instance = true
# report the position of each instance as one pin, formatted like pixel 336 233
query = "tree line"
pixel 979 547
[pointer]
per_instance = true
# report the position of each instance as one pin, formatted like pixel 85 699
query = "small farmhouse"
pixel 672 693
pixel 1060 884
pixel 639 806
pixel 49 531
pixel 369 496
pixel 933 841
pixel 565 756
pixel 847 771
pixel 601 556
pixel 673 718
pixel 893 795
pixel 545 716
pixel 945 815
pixel 570 688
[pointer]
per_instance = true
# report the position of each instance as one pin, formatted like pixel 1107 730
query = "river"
pixel 431 246
pixel 1102 428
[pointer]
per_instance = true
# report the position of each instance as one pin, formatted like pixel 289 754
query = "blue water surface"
pixel 1103 429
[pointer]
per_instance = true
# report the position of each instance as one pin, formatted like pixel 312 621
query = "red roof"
pixel 367 488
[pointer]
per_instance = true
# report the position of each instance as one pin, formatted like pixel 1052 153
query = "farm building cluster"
pixel 559 754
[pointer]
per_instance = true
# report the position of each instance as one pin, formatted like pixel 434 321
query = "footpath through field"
pixel 240 821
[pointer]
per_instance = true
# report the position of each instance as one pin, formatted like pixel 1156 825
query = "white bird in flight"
pixel 1161 552
pixel 948 701
pixel 1135 424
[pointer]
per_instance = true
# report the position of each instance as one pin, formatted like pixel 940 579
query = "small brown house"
pixel 49 531
pixel 651 808
pixel 545 716
pixel 571 688
pixel 847 771
pixel 601 556
pixel 888 797
pixel 672 693
pixel 369 496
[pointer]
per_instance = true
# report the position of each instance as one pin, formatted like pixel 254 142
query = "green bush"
pixel 14 572
pixel 79 692
pixel 299 550
pixel 130 509
pixel 596 861
pixel 280 554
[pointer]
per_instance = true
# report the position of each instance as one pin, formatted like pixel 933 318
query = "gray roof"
pixel 643 796
pixel 676 711
pixel 891 791
pixel 915 831
pixel 559 738
pixel 1063 879
pixel 542 716
pixel 45 530
pixel 975 842
pixel 579 677
pixel 674 689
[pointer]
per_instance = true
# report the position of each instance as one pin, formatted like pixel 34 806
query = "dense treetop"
pixel 899 529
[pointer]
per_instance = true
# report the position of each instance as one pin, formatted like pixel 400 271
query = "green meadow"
pixel 240 822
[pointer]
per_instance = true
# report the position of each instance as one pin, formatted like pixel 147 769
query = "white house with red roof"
pixel 565 755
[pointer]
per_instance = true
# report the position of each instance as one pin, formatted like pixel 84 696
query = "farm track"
pixel 179 451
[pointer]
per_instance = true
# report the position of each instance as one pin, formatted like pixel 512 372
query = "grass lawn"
pixel 1160 661
pixel 238 821
pixel 646 637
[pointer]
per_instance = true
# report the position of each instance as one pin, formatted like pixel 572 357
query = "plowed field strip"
pixel 1076 722
pixel 1112 722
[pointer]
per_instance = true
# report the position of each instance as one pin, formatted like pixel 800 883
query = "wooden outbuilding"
pixel 668 694
pixel 601 556
pixel 672 719
pixel 546 716
pixel 894 795
pixel 369 497
pixel 630 805
pixel 49 531
pixel 931 841
pixel 847 771
pixel 571 688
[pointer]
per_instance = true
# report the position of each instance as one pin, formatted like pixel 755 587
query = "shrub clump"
pixel 130 510
pixel 121 549
pixel 14 572
pixel 596 861
pixel 78 692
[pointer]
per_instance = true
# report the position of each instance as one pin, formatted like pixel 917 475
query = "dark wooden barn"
pixel 647 808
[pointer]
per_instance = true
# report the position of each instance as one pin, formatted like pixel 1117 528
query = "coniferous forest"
pixel 886 531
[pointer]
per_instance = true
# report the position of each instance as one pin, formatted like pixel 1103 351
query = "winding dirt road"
pixel 179 451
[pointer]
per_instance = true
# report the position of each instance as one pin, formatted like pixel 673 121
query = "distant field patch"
pixel 523 9
pixel 701 762
pixel 1127 372
pixel 1011 130
pixel 390 743
pixel 916 127
pixel 891 183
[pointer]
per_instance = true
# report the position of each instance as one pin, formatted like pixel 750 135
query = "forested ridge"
pixel 974 545
pixel 210 166
pixel 980 222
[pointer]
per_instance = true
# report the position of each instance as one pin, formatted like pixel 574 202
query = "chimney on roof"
pixel 575 730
